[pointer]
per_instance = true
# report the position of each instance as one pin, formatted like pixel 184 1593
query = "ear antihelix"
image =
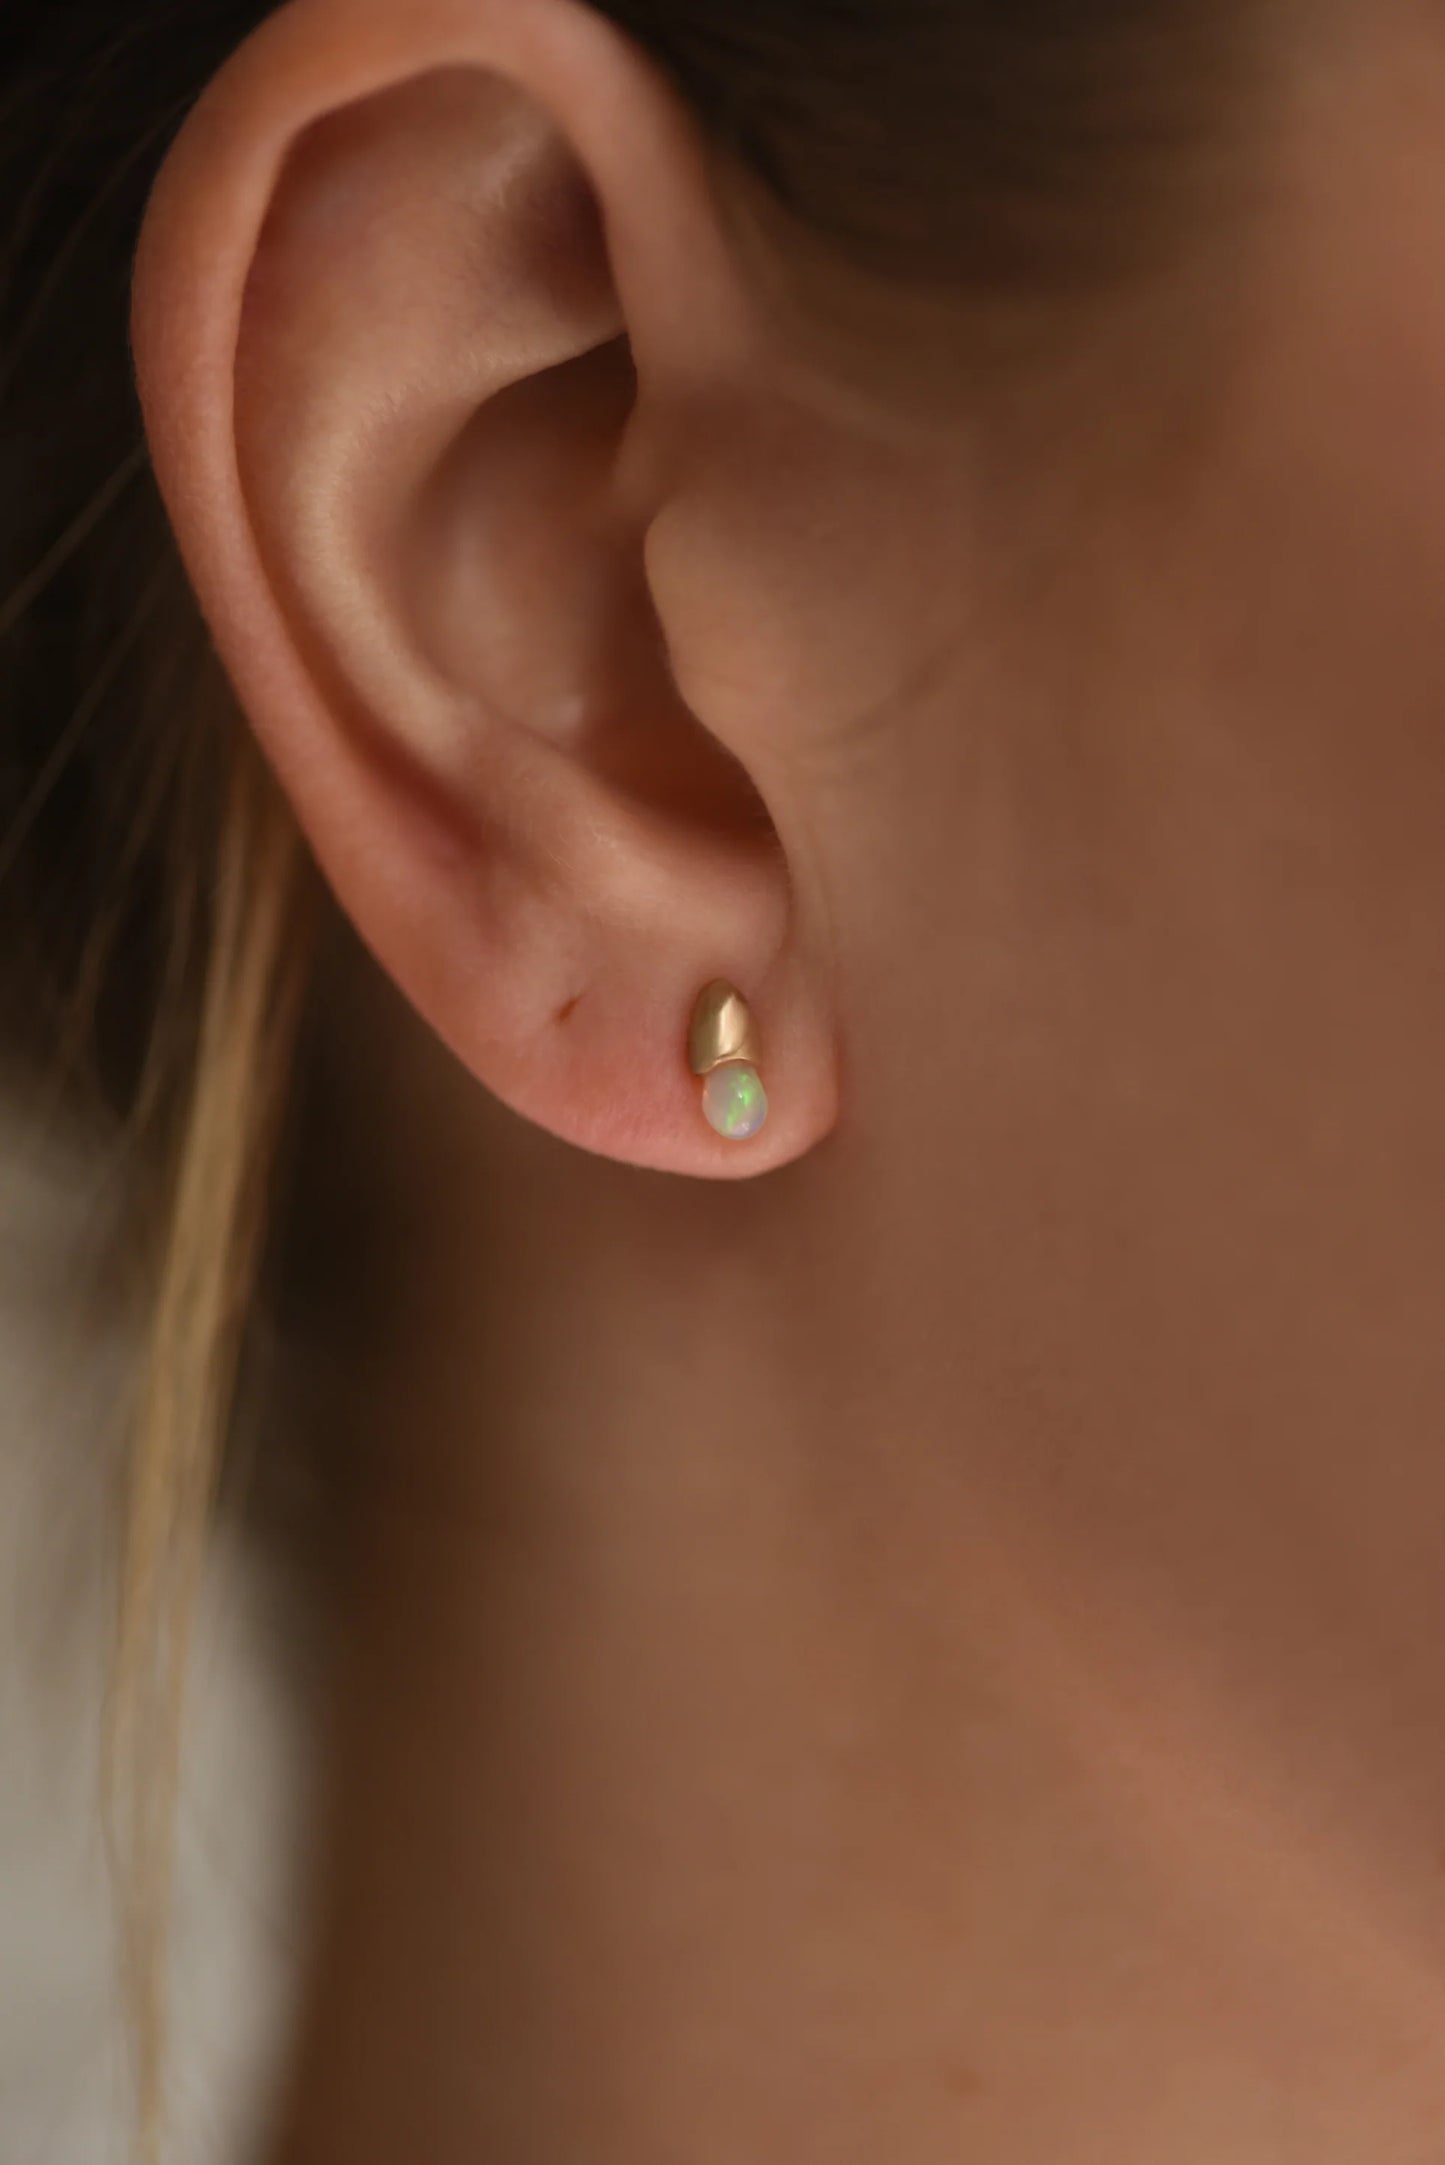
pixel 725 1050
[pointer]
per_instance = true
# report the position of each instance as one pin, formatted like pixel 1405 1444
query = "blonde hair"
pixel 254 976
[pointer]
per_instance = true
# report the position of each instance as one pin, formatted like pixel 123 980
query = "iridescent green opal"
pixel 735 1101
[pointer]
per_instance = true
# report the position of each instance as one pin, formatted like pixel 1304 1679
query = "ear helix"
pixel 724 1048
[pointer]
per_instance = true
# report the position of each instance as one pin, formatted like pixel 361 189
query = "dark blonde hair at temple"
pixel 1009 154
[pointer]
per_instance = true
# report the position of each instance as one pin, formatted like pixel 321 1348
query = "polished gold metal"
pixel 724 1032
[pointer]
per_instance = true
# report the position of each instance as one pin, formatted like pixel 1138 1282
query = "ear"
pixel 429 297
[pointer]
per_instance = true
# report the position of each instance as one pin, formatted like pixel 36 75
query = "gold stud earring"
pixel 724 1048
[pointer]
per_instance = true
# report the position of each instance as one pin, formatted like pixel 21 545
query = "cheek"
pixel 1312 566
pixel 1320 521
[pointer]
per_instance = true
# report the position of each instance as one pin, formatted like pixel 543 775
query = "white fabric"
pixel 64 2069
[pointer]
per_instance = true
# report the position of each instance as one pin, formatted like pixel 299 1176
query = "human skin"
pixel 935 1650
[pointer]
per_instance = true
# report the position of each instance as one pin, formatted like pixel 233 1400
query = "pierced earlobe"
pixel 724 1048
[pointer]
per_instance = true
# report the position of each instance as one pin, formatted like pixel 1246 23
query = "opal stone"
pixel 735 1101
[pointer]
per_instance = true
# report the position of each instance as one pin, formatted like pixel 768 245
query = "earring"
pixel 724 1048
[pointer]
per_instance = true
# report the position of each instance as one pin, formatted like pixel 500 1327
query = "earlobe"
pixel 392 314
